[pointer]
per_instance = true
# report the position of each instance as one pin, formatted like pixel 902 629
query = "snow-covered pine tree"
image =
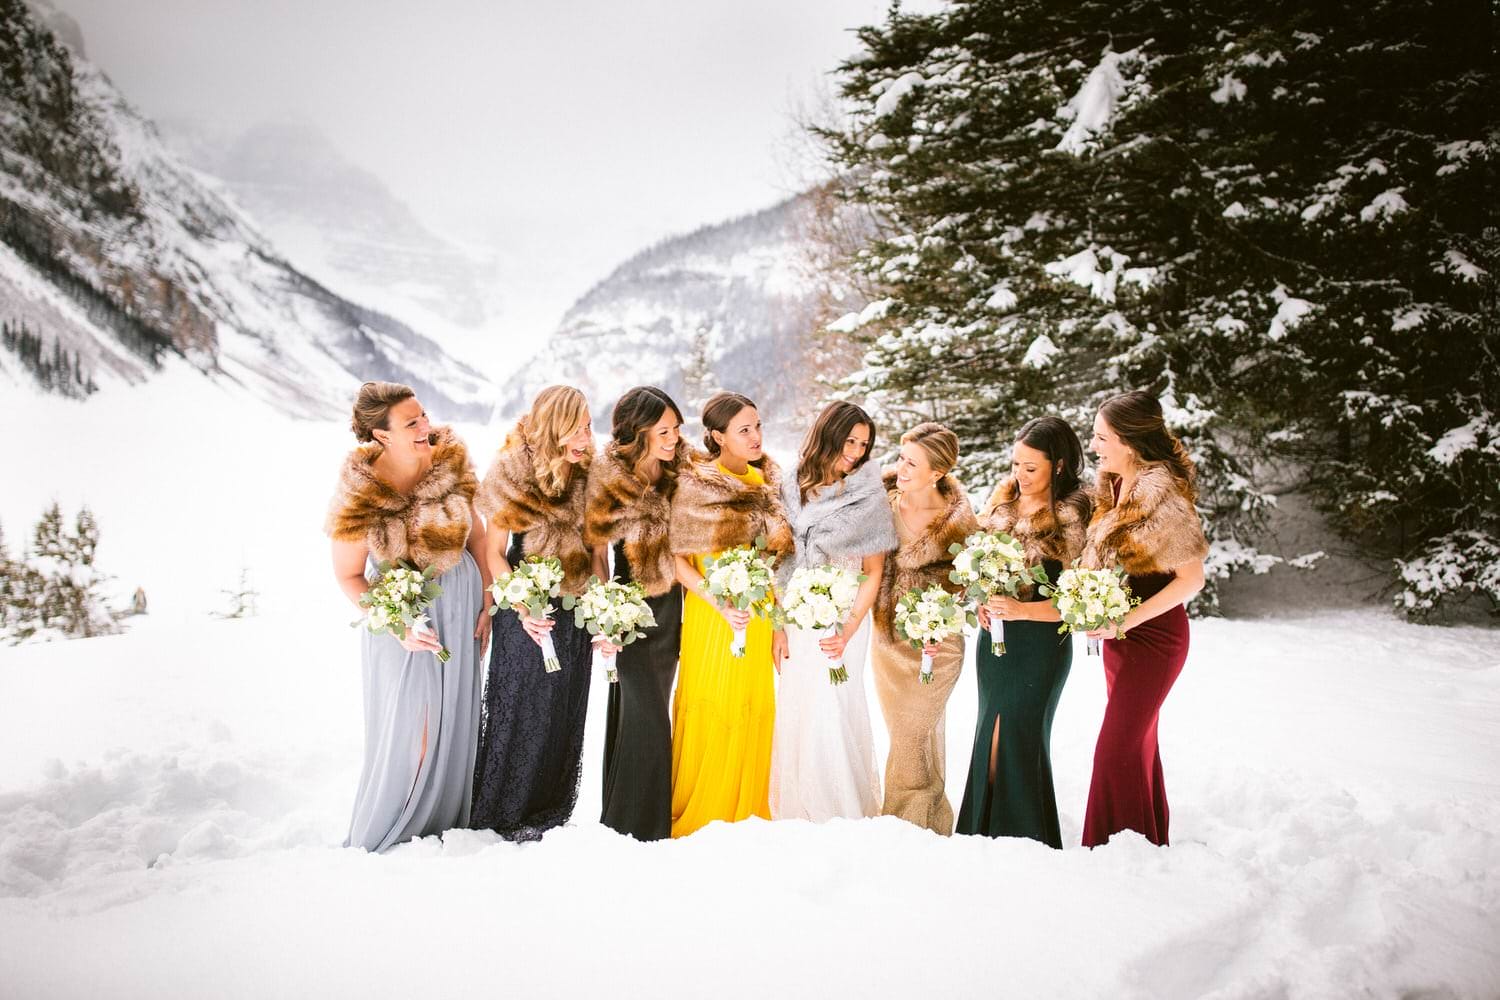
pixel 1079 198
pixel 62 587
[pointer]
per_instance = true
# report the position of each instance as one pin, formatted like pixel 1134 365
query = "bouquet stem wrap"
pixel 737 644
pixel 550 662
pixel 838 673
pixel 925 674
pixel 997 636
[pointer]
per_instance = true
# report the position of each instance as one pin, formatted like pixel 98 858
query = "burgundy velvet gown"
pixel 1127 791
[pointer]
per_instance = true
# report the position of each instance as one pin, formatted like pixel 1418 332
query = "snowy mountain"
pixel 122 261
pixel 733 305
pixel 337 221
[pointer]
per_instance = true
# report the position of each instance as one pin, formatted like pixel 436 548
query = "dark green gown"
pixel 1020 689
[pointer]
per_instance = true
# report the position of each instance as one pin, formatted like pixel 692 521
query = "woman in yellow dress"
pixel 725 708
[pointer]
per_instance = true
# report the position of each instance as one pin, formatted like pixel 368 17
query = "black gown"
pixel 638 733
pixel 531 740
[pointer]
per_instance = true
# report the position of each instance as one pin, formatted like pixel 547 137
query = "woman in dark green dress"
pixel 1009 792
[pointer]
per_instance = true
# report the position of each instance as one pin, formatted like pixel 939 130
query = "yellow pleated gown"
pixel 722 716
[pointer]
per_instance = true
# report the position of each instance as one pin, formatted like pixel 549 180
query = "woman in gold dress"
pixel 931 513
pixel 725 708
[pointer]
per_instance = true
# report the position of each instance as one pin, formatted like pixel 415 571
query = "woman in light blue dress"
pixel 406 494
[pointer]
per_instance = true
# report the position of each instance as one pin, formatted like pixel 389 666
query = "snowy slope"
pixel 93 205
pixel 171 799
pixel 738 295
pixel 340 224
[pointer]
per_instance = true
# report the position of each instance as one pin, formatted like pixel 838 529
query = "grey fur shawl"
pixel 852 519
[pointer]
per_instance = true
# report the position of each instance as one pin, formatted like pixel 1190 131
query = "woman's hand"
pixel 537 628
pixel 778 649
pixel 931 649
pixel 606 648
pixel 737 619
pixel 984 617
pixel 1007 609
pixel 1107 632
pixel 482 629
pixel 833 646
pixel 420 640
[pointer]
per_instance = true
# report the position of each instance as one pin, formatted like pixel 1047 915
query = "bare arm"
pixel 478 547
pixel 1187 580
pixel 349 569
pixel 601 561
pixel 874 568
pixel 496 539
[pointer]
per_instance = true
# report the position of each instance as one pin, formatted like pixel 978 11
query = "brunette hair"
pixel 1055 438
pixel 554 415
pixel 824 444
pixel 721 408
pixel 1137 418
pixel 372 407
pixel 635 414
pixel 940 444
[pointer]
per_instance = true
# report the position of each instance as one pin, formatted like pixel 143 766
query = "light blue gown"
pixel 404 793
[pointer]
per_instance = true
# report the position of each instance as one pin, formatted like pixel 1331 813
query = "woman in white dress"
pixel 822 756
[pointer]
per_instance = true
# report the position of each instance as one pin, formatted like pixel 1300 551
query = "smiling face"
pixel 1114 455
pixel 407 432
pixel 580 443
pixel 662 438
pixel 739 442
pixel 1032 469
pixel 914 471
pixel 856 447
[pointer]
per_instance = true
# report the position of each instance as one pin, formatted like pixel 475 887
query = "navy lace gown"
pixel 531 739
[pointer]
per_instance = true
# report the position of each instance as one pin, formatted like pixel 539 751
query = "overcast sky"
pixel 566 135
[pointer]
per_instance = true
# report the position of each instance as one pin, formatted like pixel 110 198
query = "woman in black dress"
pixel 629 508
pixel 531 741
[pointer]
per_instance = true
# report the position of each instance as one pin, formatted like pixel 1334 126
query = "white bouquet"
pixel 930 615
pixel 613 610
pixel 532 584
pixel 1089 599
pixel 397 601
pixel 990 563
pixel 818 599
pixel 741 578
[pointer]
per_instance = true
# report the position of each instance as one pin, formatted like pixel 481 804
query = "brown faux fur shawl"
pixel 713 511
pixel 1055 532
pixel 624 509
pixel 1153 529
pixel 427 528
pixel 511 498
pixel 924 560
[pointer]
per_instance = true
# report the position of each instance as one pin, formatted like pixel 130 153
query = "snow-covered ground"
pixel 171 799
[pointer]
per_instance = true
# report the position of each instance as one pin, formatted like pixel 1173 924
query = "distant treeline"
pixel 55 370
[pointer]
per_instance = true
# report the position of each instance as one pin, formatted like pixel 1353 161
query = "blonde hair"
pixel 555 414
pixel 372 407
pixel 938 442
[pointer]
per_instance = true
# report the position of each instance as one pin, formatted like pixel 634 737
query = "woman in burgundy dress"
pixel 1144 521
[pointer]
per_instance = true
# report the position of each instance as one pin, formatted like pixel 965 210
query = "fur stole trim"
pixel 713 511
pixel 511 498
pixel 852 518
pixel 623 509
pixel 923 560
pixel 1152 529
pixel 429 527
pixel 1055 533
